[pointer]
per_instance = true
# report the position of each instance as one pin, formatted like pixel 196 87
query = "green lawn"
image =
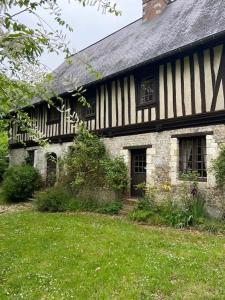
pixel 59 256
pixel 2 200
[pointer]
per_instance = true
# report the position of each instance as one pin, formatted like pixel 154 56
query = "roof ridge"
pixel 105 37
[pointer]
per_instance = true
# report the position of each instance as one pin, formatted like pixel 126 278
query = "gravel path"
pixel 15 207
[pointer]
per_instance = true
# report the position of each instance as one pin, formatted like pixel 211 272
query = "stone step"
pixel 130 201
pixel 126 209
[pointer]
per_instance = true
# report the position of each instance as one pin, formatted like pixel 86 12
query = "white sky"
pixel 91 25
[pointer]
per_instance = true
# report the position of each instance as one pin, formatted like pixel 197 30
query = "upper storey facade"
pixel 164 73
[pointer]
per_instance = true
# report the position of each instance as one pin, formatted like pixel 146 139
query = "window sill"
pixel 147 105
pixel 87 118
pixel 52 122
pixel 198 180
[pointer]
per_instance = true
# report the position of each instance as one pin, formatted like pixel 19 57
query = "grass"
pixel 2 200
pixel 66 256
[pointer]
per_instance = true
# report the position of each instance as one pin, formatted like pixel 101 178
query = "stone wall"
pixel 162 157
pixel 18 156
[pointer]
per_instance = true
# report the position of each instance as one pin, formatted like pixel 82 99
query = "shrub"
pixel 20 182
pixel 82 164
pixel 162 209
pixel 88 166
pixel 3 167
pixel 116 173
pixel 213 226
pixel 197 208
pixel 110 208
pixel 3 154
pixel 58 199
pixel 146 203
pixel 140 215
pixel 54 199
pixel 218 168
pixel 176 216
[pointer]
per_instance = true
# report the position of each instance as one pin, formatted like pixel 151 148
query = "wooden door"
pixel 138 171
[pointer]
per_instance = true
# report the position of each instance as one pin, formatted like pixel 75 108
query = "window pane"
pixel 90 111
pixel 140 164
pixel 54 114
pixel 192 155
pixel 146 91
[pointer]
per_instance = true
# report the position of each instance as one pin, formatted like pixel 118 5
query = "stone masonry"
pixel 162 158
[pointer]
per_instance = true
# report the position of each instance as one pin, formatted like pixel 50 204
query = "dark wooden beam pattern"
pixel 99 107
pixel 192 71
pixel 137 147
pixel 109 89
pixel 129 100
pixel 203 133
pixel 182 87
pixel 157 93
pixel 202 79
pixel 116 94
pixel 105 106
pixel 166 91
pixel 149 114
pixel 218 80
pixel 211 53
pixel 122 100
pixel 173 68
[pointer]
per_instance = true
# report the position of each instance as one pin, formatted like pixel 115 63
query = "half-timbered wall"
pixel 187 85
pixel 193 84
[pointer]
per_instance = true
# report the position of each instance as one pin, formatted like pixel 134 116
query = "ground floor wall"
pixel 162 157
pixel 18 156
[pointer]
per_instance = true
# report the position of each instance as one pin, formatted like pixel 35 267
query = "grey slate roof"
pixel 183 22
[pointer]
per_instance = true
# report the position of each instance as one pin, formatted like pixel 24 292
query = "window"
pixel 192 155
pixel 21 130
pixel 140 163
pixel 91 110
pixel 30 158
pixel 147 90
pixel 53 115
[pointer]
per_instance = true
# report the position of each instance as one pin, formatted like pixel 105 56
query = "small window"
pixel 147 86
pixel 192 155
pixel 21 130
pixel 140 163
pixel 146 95
pixel 91 108
pixel 53 115
pixel 30 157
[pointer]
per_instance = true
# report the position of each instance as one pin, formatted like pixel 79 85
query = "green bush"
pixel 140 215
pixel 58 199
pixel 20 182
pixel 88 166
pixel 214 226
pixel 190 212
pixel 197 208
pixel 3 154
pixel 110 208
pixel 54 199
pixel 146 203
pixel 176 216
pixel 218 168
pixel 116 173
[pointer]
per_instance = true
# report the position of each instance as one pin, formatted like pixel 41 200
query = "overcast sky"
pixel 91 25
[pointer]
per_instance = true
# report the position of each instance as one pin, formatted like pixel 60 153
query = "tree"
pixel 22 76
pixel 3 153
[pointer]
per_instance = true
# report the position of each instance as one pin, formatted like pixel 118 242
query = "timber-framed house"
pixel 160 102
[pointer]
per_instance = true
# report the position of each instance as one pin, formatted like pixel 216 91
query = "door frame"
pixel 142 150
